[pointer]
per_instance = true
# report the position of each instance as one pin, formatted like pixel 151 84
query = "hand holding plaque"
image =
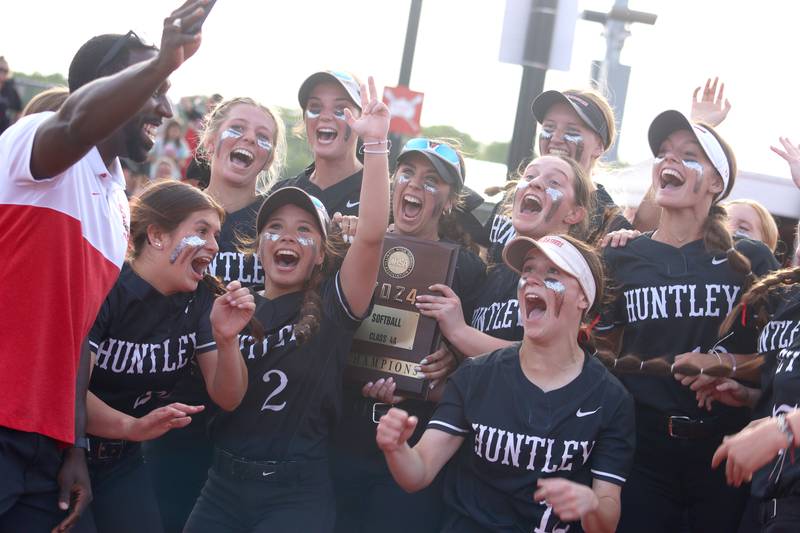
pixel 394 339
pixel 445 309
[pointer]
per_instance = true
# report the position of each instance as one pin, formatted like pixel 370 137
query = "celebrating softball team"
pixel 185 353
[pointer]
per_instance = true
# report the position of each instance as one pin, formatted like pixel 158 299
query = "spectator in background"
pixel 791 154
pixel 47 100
pixel 164 168
pixel 10 102
pixel 198 174
pixel 170 143
pixel 136 177
pixel 749 218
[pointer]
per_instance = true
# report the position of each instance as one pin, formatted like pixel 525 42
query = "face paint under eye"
pixel 187 242
pixel 573 138
pixel 264 143
pixel 658 160
pixel 306 241
pixel 693 165
pixel 544 134
pixel 741 233
pixel 312 114
pixel 231 133
pixel 554 194
pixel 523 183
pixel 403 179
pixel 270 236
pixel 433 189
pixel 559 289
pixel 339 113
pixel 522 282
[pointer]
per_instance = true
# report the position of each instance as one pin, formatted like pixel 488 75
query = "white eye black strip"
pixel 264 144
pixel 231 133
pixel 693 165
pixel 573 138
pixel 312 114
pixel 554 194
pixel 194 242
pixel 270 236
pixel 544 134
pixel 306 241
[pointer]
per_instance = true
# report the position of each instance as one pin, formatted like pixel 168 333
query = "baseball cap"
pixel 442 156
pixel 671 121
pixel 586 109
pixel 347 81
pixel 559 251
pixel 293 196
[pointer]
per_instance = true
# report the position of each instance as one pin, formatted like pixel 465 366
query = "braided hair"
pixel 754 301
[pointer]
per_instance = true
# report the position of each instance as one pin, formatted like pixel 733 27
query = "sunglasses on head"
pixel 114 51
pixel 444 151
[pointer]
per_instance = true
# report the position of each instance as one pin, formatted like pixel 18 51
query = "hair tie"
pixel 731 249
pixel 744 314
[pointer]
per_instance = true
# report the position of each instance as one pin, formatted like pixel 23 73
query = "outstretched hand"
pixel 373 124
pixel 791 154
pixel 177 46
pixel 712 107
pixel 159 421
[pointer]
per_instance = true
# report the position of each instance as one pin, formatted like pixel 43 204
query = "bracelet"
pixel 387 142
pixel 783 426
pixel 374 151
pixel 733 362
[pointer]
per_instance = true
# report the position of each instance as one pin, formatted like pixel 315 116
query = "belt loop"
pixel 774 508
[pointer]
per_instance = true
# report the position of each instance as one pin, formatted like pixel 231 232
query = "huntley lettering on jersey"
pixel 502 229
pixel 252 349
pixel 529 451
pixel 679 301
pixel 222 263
pixel 132 358
pixel 786 360
pixel 499 315
pixel 777 334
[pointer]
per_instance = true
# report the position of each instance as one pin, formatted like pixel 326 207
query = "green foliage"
pixel 50 79
pixel 496 151
pixel 298 155
pixel 469 146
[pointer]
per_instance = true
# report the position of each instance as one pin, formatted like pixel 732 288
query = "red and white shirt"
pixel 62 243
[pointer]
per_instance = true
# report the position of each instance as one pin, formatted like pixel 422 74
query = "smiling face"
pixel 683 176
pixel 183 275
pixel 419 197
pixel 290 246
pixel 550 300
pixel 243 146
pixel 544 202
pixel 136 137
pixel 564 133
pixel 328 134
pixel 744 221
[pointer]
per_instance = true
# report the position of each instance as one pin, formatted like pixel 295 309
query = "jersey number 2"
pixel 282 382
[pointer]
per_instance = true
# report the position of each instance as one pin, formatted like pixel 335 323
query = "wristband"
pixel 82 443
pixel 783 426
pixel 387 142
pixel 363 151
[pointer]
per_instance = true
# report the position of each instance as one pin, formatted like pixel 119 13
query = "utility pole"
pixel 405 66
pixel 538 42
pixel 611 77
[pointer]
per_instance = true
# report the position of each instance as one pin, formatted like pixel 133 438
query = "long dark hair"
pixel 165 204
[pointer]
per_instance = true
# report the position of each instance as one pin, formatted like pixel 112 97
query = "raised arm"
pixel 224 369
pixel 97 109
pixel 413 468
pixel 360 267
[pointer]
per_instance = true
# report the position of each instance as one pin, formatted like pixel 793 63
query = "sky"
pixel 266 48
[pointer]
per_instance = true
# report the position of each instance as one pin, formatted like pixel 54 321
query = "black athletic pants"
pixel 29 465
pixel 124 500
pixel 672 483
pixel 285 498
